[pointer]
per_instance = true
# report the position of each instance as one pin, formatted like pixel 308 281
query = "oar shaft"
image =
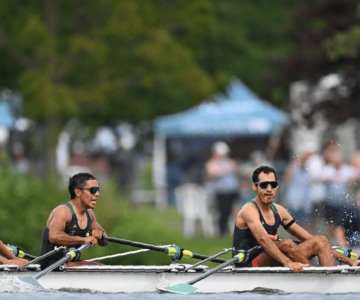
pixel 136 244
pixel 29 256
pixel 200 256
pixel 209 259
pixel 63 260
pixel 157 248
pixel 214 270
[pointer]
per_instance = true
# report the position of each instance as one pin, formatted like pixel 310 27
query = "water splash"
pixel 12 284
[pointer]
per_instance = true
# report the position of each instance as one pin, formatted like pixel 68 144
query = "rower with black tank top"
pixel 258 221
pixel 74 223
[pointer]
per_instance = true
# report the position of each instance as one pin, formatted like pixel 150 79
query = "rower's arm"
pixel 57 224
pixel 97 230
pixel 346 260
pixel 295 229
pixel 4 251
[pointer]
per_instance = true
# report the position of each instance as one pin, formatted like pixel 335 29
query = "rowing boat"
pixel 139 279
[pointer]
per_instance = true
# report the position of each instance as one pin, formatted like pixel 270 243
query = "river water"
pixel 15 289
pixel 19 291
pixel 61 295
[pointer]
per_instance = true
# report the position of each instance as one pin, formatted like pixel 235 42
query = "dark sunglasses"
pixel 265 184
pixel 93 190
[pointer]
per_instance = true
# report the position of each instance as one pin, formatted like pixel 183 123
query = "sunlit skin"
pixel 8 258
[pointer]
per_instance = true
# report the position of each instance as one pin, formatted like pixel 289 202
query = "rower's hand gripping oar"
pixel 187 288
pixel 18 252
pixel 173 251
pixel 71 254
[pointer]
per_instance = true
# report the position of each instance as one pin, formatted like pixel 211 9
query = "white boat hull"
pixel 140 279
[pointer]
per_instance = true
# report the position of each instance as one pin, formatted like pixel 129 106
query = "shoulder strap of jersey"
pixel 256 205
pixel 274 209
pixel 68 204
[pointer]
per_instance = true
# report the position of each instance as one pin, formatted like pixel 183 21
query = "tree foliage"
pixel 133 60
pixel 325 39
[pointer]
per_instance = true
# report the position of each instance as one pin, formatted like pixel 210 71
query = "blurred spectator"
pixel 297 183
pixel 257 158
pixel 221 172
pixel 20 163
pixel 339 177
pixel 317 188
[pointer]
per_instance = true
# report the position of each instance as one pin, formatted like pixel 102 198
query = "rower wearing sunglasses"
pixel 74 223
pixel 258 221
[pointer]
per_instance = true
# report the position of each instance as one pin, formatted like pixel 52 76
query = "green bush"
pixel 27 201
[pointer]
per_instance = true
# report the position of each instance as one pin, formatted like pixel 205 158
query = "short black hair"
pixel 78 181
pixel 264 169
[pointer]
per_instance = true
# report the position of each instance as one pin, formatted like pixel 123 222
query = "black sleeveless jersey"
pixel 243 238
pixel 72 228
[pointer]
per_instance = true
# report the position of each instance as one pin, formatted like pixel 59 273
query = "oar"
pixel 224 251
pixel 42 257
pixel 173 251
pixel 347 252
pixel 187 288
pixel 18 252
pixel 69 256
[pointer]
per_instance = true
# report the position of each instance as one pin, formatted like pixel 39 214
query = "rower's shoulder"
pixel 61 209
pixel 281 209
pixel 247 208
pixel 248 205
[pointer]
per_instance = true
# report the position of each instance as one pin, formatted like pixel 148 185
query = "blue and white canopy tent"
pixel 239 113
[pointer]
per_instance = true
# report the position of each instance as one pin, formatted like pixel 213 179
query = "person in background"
pixel 297 181
pixel 74 223
pixel 8 258
pixel 339 178
pixel 317 189
pixel 258 221
pixel 221 172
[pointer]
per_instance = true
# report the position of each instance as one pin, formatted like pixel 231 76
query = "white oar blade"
pixel 31 280
pixel 180 288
